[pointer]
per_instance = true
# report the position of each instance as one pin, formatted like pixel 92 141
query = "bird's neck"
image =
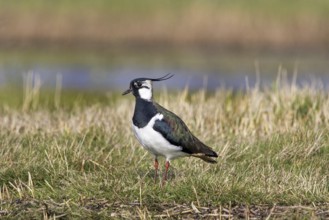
pixel 144 112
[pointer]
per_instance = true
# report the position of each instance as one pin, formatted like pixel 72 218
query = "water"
pixel 99 70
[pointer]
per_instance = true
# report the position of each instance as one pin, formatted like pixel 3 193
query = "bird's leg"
pixel 156 166
pixel 165 176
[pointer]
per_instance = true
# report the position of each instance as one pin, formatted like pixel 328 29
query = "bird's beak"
pixel 127 91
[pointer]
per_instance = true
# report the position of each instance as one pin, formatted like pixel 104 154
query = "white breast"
pixel 155 143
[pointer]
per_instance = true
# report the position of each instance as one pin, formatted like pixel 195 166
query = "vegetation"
pixel 71 155
pixel 201 24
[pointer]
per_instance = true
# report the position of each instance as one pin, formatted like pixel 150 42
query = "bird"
pixel 160 131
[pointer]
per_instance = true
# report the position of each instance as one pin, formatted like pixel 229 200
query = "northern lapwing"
pixel 160 131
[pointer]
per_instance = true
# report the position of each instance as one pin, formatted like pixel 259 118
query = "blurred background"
pixel 103 44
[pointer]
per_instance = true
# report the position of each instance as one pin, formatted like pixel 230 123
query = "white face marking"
pixel 146 93
pixel 155 143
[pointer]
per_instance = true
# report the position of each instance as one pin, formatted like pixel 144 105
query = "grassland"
pixel 72 155
pixel 275 24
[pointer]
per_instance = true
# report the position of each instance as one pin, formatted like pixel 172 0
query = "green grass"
pixel 77 157
pixel 146 7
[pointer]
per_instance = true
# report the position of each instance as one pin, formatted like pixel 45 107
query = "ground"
pixel 73 154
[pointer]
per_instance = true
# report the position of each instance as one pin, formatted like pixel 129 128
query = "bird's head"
pixel 142 87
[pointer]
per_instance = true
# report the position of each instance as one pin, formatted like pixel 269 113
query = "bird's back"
pixel 177 133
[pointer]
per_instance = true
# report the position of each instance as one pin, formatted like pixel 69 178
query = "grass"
pixel 273 8
pixel 258 25
pixel 77 157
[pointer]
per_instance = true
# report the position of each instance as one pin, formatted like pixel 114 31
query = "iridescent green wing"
pixel 177 133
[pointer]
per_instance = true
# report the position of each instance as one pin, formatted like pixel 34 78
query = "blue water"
pixel 238 74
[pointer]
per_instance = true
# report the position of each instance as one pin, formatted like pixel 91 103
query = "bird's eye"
pixel 139 84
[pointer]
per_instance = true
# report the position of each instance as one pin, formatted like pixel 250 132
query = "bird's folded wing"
pixel 177 133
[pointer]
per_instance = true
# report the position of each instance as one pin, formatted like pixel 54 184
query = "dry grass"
pixel 274 24
pixel 79 158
